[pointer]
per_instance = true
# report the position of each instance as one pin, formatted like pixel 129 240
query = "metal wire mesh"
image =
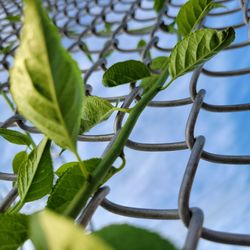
pixel 81 20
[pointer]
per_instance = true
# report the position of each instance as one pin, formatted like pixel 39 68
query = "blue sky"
pixel 152 180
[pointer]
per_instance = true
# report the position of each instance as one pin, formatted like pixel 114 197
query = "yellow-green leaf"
pixel 46 83
pixel 49 231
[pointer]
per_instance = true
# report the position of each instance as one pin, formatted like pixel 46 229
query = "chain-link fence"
pixel 108 20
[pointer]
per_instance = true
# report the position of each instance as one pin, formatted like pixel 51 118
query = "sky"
pixel 152 179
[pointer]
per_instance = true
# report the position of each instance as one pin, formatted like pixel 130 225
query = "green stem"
pixel 122 110
pixel 16 208
pixel 9 102
pixel 123 162
pixel 115 150
pixel 82 167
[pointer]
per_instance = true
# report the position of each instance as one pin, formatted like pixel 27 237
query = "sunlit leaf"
pixel 46 83
pixel 49 231
pixel 197 48
pixel 35 177
pixel 191 14
pixel 95 110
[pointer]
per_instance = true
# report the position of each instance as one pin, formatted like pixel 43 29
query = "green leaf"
pixel 7 49
pixel 14 18
pixel 85 49
pixel 65 189
pixel 108 53
pixel 191 14
pixel 108 27
pixel 124 237
pixel 169 28
pixel 70 181
pixel 46 83
pixel 19 159
pixel 157 63
pixel 15 137
pixel 197 48
pixel 158 5
pixel 145 30
pixel 13 231
pixel 94 111
pixel 51 231
pixel 91 165
pixel 125 72
pixel 35 178
pixel 141 44
pixel 65 167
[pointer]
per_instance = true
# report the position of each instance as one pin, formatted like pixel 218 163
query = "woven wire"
pixel 80 20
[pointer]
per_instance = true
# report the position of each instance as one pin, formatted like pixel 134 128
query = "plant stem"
pixel 123 110
pixel 9 102
pixel 16 208
pixel 82 167
pixel 114 151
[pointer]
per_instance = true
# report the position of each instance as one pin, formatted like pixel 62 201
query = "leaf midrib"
pixel 51 80
pixel 201 15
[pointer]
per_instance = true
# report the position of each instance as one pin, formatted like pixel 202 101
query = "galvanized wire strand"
pixel 78 21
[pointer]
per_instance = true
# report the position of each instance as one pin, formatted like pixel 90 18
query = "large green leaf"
pixel 15 137
pixel 13 231
pixel 125 237
pixel 46 83
pixel 197 48
pixel 158 4
pixel 94 111
pixel 49 231
pixel 70 181
pixel 125 72
pixel 35 177
pixel 192 12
